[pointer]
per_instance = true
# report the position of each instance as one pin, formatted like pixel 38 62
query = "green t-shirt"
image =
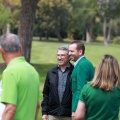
pixel 20 86
pixel 100 105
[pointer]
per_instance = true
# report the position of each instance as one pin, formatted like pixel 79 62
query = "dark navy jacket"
pixel 51 104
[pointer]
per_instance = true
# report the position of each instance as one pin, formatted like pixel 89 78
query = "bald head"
pixel 10 43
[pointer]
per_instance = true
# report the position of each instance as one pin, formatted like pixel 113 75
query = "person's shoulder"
pixel 87 62
pixel 71 66
pixel 87 87
pixel 53 69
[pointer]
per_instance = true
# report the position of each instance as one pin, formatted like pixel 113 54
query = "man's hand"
pixel 73 115
pixel 45 117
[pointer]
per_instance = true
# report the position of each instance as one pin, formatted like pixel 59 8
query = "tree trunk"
pixel 25 31
pixel 89 34
pixel 57 32
pixel 107 31
pixel 46 35
pixel 8 28
pixel 40 36
pixel 40 31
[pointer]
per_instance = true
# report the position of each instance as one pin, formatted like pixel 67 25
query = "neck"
pixel 63 67
pixel 10 56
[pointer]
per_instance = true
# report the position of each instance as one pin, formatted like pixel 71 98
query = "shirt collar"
pixel 17 59
pixel 66 67
pixel 78 60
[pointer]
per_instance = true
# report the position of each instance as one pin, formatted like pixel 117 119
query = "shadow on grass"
pixel 53 41
pixel 42 69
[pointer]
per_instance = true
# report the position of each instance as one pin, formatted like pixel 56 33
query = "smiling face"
pixel 62 57
pixel 74 53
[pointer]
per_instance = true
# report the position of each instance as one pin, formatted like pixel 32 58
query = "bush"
pixel 116 40
pixel 99 39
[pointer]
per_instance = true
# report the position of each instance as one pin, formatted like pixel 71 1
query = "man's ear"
pixel 1 50
pixel 21 49
pixel 80 52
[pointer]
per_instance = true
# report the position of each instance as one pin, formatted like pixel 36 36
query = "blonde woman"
pixel 100 99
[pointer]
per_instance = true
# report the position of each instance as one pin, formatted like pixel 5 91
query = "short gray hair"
pixel 10 43
pixel 65 47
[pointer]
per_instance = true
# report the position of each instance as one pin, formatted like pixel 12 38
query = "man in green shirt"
pixel 82 73
pixel 20 82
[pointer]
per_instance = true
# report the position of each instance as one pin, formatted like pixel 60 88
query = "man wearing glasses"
pixel 57 96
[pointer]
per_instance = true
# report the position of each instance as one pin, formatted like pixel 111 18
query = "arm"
pixel 37 110
pixel 80 111
pixel 82 77
pixel 73 116
pixel 9 112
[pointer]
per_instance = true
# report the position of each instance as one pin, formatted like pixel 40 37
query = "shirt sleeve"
pixel 83 94
pixel 9 88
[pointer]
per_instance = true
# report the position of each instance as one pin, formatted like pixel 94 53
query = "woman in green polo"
pixel 100 99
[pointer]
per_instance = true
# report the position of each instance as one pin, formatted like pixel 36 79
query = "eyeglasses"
pixel 62 55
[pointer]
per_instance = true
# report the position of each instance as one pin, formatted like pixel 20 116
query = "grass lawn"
pixel 43 57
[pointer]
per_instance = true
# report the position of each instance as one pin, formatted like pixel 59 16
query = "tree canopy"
pixel 73 19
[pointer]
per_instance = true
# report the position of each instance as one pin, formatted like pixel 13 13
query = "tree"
pixel 109 10
pixel 53 15
pixel 13 6
pixel 25 30
pixel 5 17
pixel 83 18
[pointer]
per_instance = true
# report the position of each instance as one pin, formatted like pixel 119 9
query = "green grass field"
pixel 43 57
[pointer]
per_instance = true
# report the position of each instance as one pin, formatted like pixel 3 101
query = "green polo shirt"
pixel 100 104
pixel 20 86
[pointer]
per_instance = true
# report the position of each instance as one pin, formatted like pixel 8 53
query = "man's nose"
pixel 59 57
pixel 69 53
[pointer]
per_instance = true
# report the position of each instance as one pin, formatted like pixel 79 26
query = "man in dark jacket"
pixel 57 96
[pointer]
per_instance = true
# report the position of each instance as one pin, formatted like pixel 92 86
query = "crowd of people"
pixel 75 91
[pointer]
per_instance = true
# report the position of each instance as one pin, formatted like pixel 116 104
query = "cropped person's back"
pixel 100 98
pixel 101 104
pixel 19 73
pixel 20 82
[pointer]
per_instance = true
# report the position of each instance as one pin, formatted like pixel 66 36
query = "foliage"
pixel 116 27
pixel 5 16
pixel 109 8
pixel 53 15
pixel 67 18
pixel 116 40
pixel 11 3
pixel 83 16
pixel 14 12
